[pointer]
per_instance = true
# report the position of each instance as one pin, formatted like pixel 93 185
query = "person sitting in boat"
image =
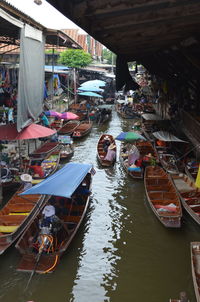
pixel 48 213
pixel 111 153
pixel 26 181
pixel 135 166
pixel 124 153
pixel 82 189
pixel 106 143
pixel 148 160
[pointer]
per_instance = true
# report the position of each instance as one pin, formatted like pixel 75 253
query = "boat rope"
pixel 52 267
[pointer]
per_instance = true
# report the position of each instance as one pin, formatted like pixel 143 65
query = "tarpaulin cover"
pixel 62 183
pixel 167 137
pixel 31 78
pixel 134 155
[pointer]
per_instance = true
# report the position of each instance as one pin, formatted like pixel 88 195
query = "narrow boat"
pixel 69 128
pixel 83 129
pixel 168 162
pixel 44 242
pixel 44 150
pixel 163 197
pixel 67 147
pixel 101 154
pixel 189 194
pixel 128 157
pixel 57 124
pixel 135 152
pixel 195 265
pixel 15 216
pixel 191 169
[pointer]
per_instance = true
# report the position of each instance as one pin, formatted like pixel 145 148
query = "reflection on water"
pixel 121 253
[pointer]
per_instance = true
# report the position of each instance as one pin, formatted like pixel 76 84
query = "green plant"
pixel 75 58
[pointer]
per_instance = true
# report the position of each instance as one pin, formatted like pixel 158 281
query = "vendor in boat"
pixel 136 167
pixel 124 153
pixel 148 160
pixel 106 143
pixel 26 181
pixel 5 171
pixel 48 212
pixel 37 169
pixel 111 153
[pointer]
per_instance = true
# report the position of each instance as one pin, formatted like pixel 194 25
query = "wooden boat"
pixel 168 162
pixel 57 124
pixel 191 169
pixel 101 153
pixel 195 265
pixel 163 197
pixel 83 129
pixel 135 152
pixel 44 150
pixel 15 216
pixel 189 194
pixel 41 246
pixel 67 147
pixel 69 128
pixel 127 159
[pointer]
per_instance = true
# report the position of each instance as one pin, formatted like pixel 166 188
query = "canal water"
pixel 121 252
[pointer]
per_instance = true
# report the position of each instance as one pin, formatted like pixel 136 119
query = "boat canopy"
pixel 151 117
pixel 62 183
pixel 167 137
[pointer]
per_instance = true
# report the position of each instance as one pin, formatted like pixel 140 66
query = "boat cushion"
pixel 8 229
pixel 136 169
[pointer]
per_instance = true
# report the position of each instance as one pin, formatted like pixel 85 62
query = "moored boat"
pixel 195 265
pixel 67 147
pixel 15 216
pixel 163 197
pixel 82 130
pixel 44 242
pixel 69 128
pixel 101 153
pixel 189 194
pixel 168 162
pixel 44 150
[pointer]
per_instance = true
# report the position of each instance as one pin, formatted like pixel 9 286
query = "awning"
pixel 62 183
pixel 151 117
pixel 167 137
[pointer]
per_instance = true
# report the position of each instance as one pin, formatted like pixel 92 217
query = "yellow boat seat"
pixel 19 213
pixel 8 228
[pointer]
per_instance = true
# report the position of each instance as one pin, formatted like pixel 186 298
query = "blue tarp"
pixel 62 183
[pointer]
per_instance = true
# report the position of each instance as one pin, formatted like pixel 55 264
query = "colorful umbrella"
pixel 9 132
pixel 90 88
pixel 89 93
pixel 129 136
pixel 96 83
pixel 69 116
pixel 52 113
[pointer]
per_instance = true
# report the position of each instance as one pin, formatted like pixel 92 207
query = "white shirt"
pixel 48 211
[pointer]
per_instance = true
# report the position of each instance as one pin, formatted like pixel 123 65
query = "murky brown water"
pixel 121 253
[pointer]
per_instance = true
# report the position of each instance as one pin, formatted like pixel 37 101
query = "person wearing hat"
pixel 26 181
pixel 111 153
pixel 106 143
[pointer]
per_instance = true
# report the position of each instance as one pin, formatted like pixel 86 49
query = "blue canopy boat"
pixel 47 238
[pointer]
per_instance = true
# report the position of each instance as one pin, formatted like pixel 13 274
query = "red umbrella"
pixel 69 116
pixel 9 132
